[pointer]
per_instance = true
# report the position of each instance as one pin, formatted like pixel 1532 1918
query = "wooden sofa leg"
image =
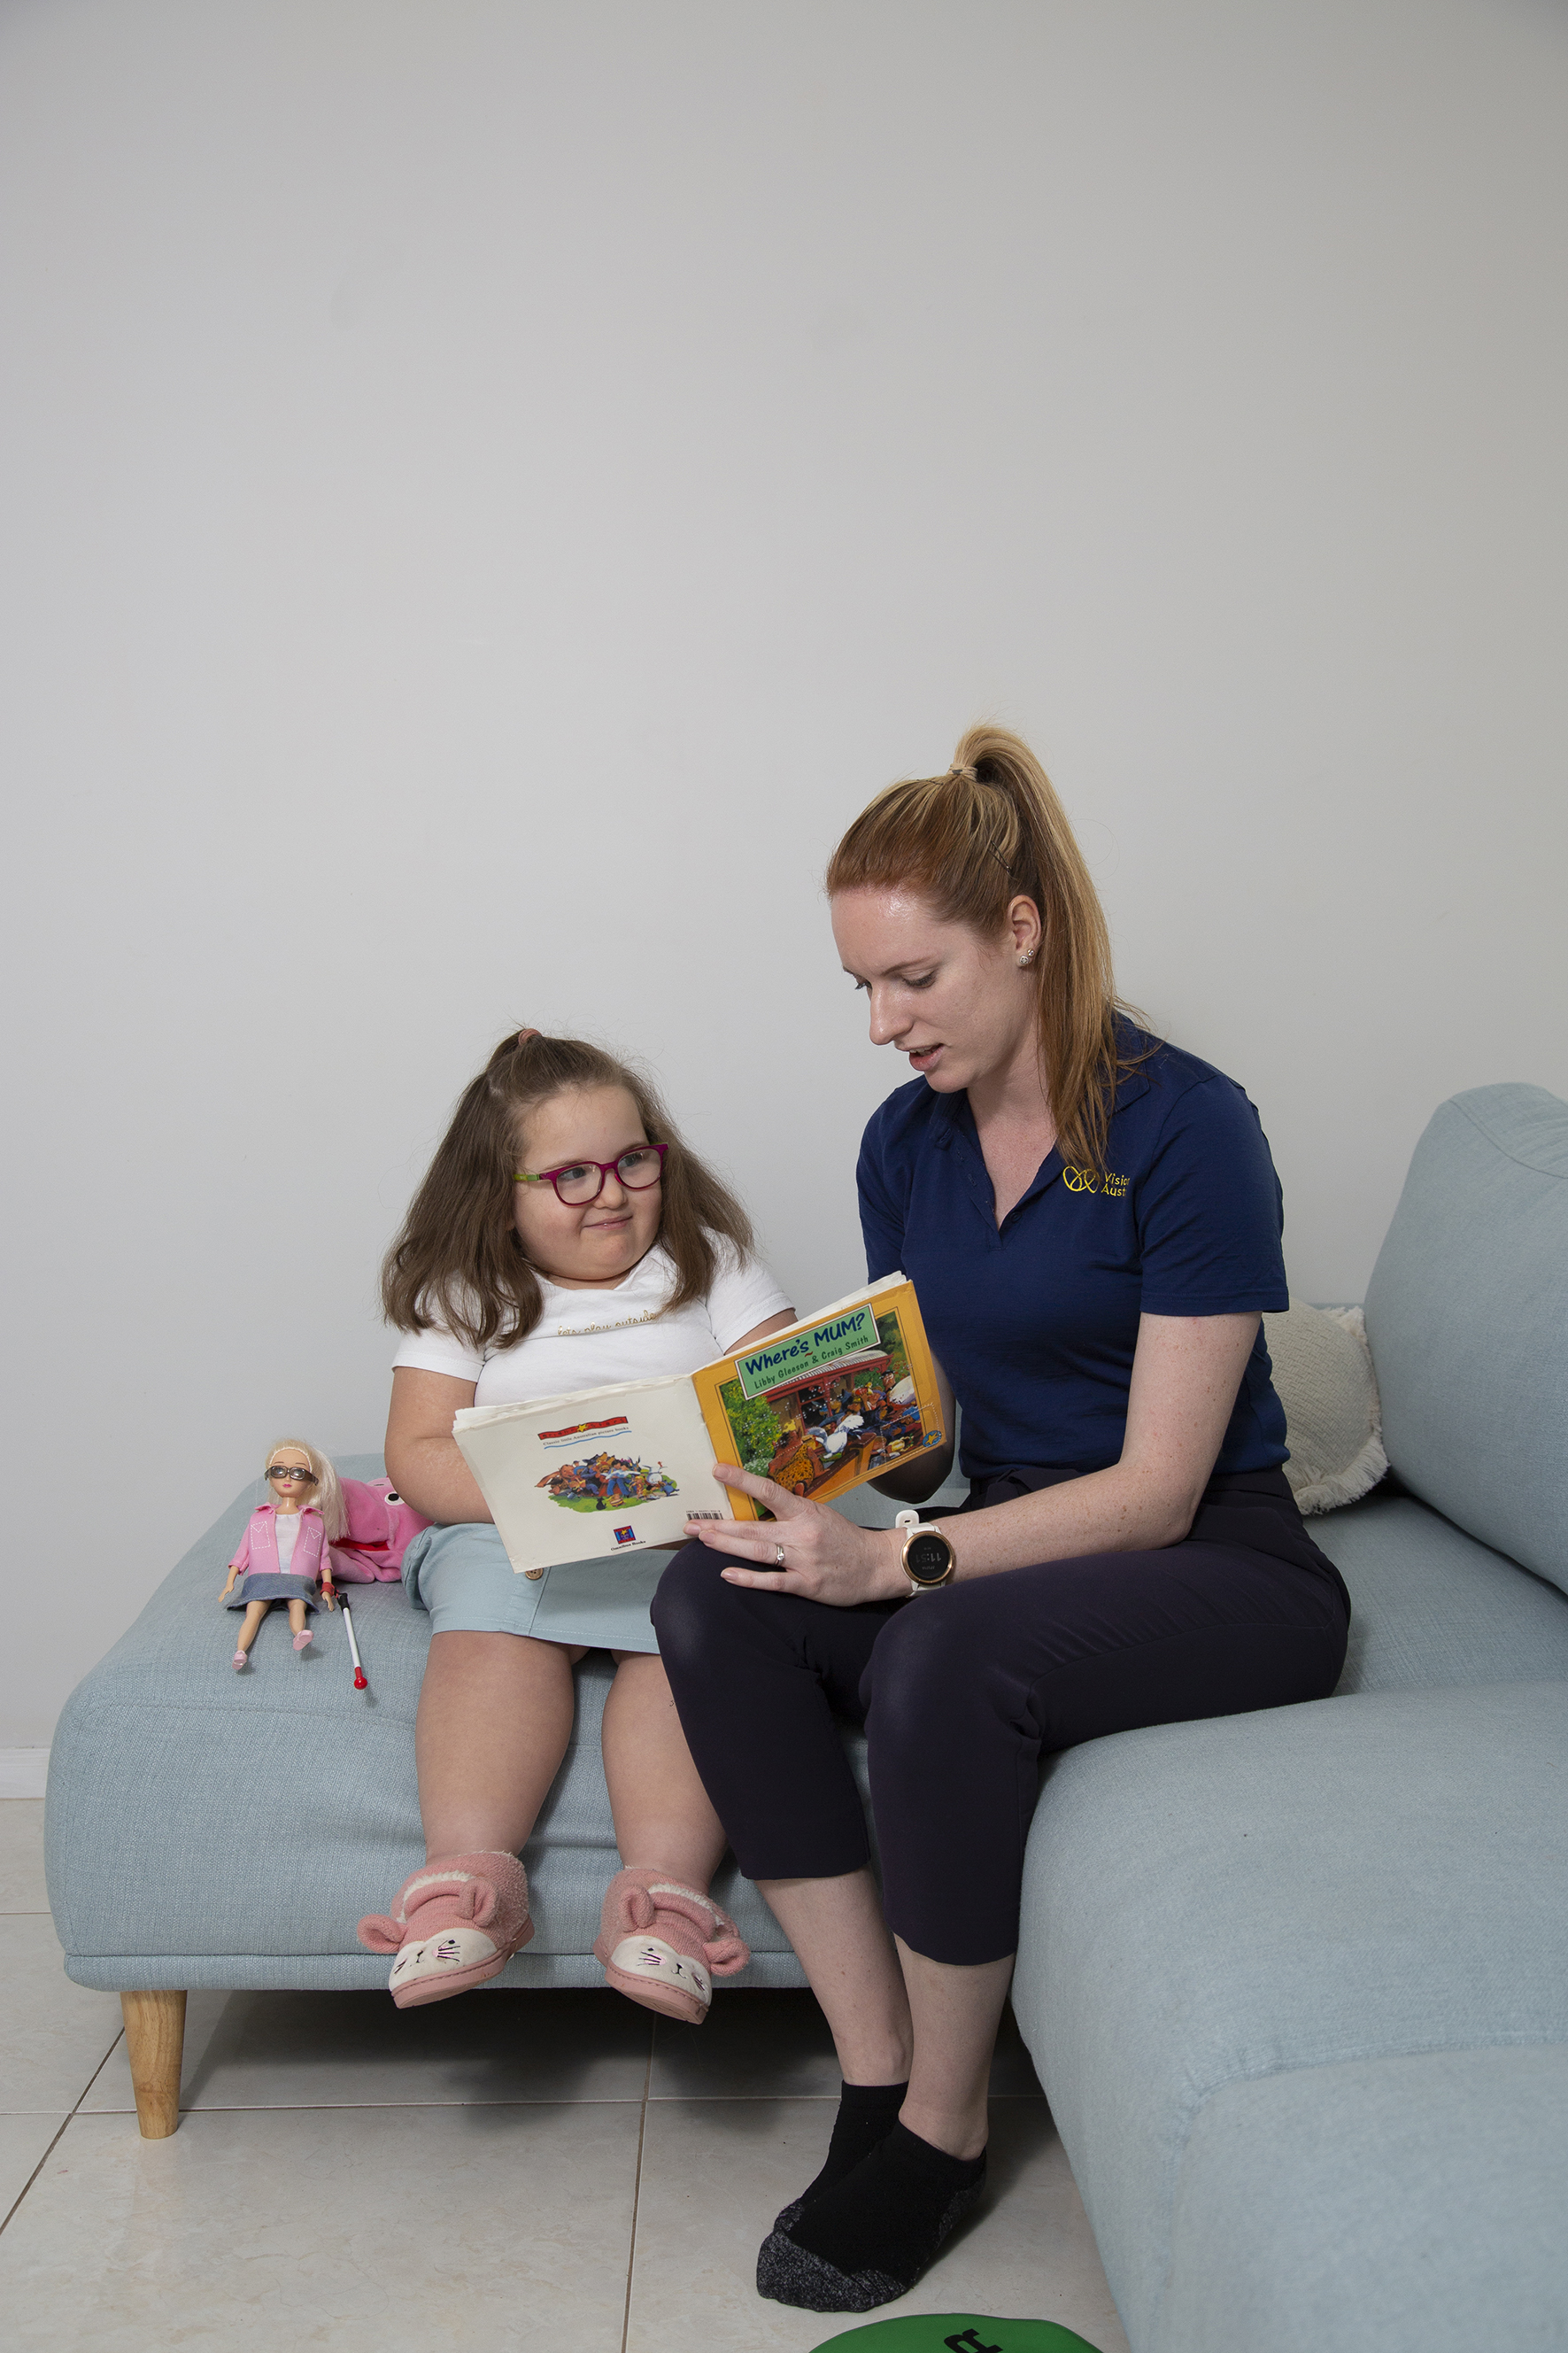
pixel 155 2041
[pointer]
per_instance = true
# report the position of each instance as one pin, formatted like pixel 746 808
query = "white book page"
pixel 608 1471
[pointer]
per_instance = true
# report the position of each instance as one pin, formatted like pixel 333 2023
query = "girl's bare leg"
pixel 838 1930
pixel 495 1716
pixel 663 1819
pixel 296 1617
pixel 250 1625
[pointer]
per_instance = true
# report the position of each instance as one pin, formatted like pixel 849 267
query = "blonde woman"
pixel 1093 1222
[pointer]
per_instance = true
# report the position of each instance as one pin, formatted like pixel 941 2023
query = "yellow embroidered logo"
pixel 1090 1180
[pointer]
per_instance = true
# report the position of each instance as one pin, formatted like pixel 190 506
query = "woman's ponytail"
pixel 992 830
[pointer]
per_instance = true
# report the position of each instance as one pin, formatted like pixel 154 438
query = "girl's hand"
pixel 825 1557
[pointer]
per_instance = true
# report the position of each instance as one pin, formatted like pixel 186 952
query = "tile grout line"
pixel 12 2211
pixel 636 2185
pixel 17 2207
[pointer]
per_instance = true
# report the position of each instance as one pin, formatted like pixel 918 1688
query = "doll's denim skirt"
pixel 274 1585
pixel 463 1577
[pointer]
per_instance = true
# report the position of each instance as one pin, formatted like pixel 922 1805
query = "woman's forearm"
pixel 1185 1375
pixel 1118 1510
pixel 431 1474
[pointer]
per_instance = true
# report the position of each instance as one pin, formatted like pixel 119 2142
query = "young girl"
pixel 563 1237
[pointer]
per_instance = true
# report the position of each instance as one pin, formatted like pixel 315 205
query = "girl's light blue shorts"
pixel 463 1577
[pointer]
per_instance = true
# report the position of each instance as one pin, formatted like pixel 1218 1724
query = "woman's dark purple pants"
pixel 962 1690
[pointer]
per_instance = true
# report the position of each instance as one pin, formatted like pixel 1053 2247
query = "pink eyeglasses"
pixel 582 1181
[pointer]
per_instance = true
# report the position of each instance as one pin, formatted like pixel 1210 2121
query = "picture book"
pixel 840 1397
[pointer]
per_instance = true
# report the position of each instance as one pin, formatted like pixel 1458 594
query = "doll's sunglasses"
pixel 582 1181
pixel 289 1471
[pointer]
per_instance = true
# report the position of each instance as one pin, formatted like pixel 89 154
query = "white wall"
pixel 489 489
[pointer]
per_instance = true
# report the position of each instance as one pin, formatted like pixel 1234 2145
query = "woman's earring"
pixel 1027 956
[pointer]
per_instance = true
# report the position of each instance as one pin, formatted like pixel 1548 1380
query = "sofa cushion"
pixel 207 1828
pixel 1467 1314
pixel 1431 1606
pixel 1323 1376
pixel 1217 1902
pixel 1408 2205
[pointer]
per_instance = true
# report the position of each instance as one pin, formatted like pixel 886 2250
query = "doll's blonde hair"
pixel 326 1495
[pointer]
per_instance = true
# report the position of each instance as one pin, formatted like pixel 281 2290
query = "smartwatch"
pixel 929 1558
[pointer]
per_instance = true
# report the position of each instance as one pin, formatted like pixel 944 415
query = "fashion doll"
pixel 284 1552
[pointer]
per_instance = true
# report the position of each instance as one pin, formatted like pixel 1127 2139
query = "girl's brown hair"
pixel 989 831
pixel 458 1260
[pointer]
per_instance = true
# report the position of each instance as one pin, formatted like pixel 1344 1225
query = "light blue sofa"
pixel 1296 1983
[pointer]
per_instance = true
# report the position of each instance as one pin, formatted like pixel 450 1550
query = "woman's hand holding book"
pixel 807 1548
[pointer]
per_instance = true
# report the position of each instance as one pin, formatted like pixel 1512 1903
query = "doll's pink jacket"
pixel 258 1553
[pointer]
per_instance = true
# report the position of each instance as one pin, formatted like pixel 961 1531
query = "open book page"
pixel 608 1471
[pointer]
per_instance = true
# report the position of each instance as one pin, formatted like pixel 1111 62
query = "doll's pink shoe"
pixel 453 1923
pixel 664 1943
pixel 303 1640
pixel 240 1658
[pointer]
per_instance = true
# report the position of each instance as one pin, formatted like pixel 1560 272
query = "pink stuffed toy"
pixel 380 1528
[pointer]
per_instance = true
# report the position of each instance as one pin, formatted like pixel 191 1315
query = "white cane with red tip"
pixel 361 1680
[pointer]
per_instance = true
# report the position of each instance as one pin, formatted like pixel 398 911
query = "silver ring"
pixel 778 1555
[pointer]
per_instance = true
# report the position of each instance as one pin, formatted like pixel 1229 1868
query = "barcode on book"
pixel 704 1516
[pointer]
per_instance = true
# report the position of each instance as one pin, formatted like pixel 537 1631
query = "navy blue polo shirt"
pixel 1035 1321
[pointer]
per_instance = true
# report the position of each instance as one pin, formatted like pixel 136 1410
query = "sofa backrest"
pixel 1466 1316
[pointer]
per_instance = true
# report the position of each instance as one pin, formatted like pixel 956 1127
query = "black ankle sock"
pixel 867 2237
pixel 867 2114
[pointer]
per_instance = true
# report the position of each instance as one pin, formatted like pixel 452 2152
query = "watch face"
pixel 927 1557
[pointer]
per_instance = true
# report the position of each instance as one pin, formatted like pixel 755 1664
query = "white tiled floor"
pixel 540 2169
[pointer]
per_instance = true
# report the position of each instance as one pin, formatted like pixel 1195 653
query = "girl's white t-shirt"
pixel 286 1527
pixel 585 1339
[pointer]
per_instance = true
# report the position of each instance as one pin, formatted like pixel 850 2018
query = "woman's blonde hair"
pixel 326 1495
pixel 992 830
pixel 459 1260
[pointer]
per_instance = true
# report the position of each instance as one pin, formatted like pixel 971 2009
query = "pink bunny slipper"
pixel 663 1944
pixel 453 1923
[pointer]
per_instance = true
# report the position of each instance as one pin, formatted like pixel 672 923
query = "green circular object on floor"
pixel 958 2332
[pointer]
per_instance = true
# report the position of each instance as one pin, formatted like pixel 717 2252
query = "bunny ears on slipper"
pixel 662 1945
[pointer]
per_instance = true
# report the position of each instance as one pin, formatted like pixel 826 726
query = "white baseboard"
pixel 23 1772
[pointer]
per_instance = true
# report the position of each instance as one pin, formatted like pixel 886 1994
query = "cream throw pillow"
pixel 1323 1371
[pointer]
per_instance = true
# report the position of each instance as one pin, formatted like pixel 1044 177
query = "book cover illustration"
pixel 834 1400
pixel 830 1403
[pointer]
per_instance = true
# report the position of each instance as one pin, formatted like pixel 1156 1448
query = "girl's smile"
pixel 595 1243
